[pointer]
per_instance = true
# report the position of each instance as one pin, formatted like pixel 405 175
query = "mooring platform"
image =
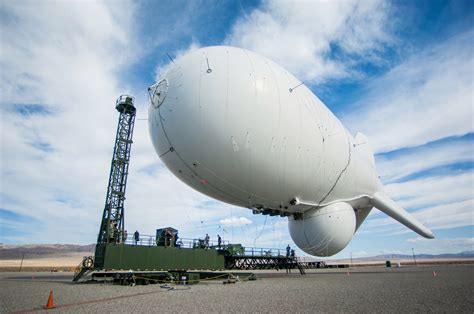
pixel 150 255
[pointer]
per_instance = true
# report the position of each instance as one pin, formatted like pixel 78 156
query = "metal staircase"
pixel 85 267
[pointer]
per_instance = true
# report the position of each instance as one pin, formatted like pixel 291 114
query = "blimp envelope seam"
pixel 340 174
pixel 163 128
pixel 169 150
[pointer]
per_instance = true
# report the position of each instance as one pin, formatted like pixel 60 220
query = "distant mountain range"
pixel 43 250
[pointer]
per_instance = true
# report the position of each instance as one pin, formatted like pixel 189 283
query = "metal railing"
pixel 254 251
pixel 150 240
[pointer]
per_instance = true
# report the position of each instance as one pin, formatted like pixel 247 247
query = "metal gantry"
pixel 236 262
pixel 112 225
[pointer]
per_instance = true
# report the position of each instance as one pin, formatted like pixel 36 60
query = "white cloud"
pixel 451 215
pixel 51 47
pixel 302 36
pixel 236 221
pixel 424 158
pixel 432 190
pixel 427 97
pixel 65 57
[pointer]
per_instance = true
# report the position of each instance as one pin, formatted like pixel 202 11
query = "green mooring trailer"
pixel 123 256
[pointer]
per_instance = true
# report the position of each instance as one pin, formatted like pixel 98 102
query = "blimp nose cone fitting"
pixel 158 92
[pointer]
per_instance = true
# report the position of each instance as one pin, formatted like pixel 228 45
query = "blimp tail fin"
pixel 389 207
pixel 361 142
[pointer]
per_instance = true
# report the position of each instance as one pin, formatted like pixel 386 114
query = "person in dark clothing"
pixel 136 237
pixel 288 251
pixel 292 254
pixel 219 241
pixel 206 241
pixel 168 237
pixel 176 243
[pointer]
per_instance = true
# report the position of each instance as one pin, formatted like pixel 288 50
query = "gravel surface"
pixel 365 289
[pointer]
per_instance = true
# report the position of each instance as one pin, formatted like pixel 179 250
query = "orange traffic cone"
pixel 50 304
pixel 434 273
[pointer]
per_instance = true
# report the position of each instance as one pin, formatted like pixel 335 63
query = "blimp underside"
pixel 239 128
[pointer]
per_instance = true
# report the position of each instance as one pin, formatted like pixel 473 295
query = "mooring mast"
pixel 112 225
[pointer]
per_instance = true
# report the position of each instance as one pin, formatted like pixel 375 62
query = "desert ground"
pixel 438 288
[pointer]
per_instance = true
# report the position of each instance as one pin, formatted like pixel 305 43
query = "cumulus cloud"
pixel 446 216
pixel 60 59
pixel 236 221
pixel 426 98
pixel 397 165
pixel 310 38
pixel 432 190
pixel 61 66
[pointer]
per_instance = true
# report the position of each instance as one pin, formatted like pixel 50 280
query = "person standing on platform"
pixel 206 241
pixel 219 241
pixel 136 237
pixel 288 249
pixel 168 237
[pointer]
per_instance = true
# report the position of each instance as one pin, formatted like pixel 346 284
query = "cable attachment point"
pixel 209 70
pixel 292 89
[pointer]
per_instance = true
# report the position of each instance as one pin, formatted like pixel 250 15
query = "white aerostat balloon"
pixel 239 128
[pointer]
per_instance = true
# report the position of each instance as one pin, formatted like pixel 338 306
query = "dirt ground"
pixel 422 289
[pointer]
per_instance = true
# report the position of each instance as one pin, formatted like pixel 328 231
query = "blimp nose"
pixel 158 92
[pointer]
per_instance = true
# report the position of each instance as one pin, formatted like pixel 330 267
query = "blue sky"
pixel 401 72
